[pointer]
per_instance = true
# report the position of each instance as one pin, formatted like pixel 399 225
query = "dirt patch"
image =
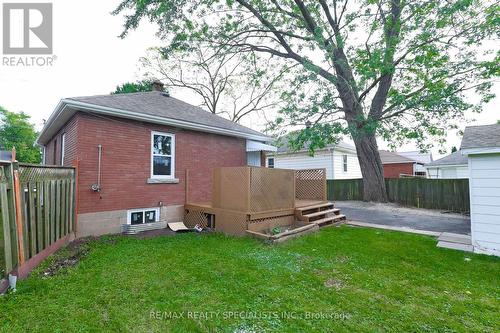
pixel 69 256
pixel 334 283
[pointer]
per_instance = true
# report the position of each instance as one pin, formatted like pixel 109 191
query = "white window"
pixel 162 155
pixel 63 147
pixel 344 162
pixel 143 215
pixel 270 162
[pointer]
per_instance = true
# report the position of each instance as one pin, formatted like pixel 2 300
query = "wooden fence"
pixel 37 205
pixel 445 194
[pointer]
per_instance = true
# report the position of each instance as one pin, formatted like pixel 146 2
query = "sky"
pixel 91 59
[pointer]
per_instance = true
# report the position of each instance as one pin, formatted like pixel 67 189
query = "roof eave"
pixel 480 150
pixel 46 135
pixel 444 165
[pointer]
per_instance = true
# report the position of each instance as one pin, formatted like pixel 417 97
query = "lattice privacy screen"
pixel 310 184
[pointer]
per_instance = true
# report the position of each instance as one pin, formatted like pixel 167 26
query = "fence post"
pixel 19 214
pixel 6 225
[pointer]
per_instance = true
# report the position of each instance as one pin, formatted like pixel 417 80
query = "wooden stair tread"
pixel 322 212
pixel 326 204
pixel 329 219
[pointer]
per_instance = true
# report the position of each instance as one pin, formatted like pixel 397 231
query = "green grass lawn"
pixel 348 279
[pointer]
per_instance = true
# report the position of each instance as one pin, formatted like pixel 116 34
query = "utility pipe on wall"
pixel 97 187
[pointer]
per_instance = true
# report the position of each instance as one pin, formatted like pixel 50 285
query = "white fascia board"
pixel 478 151
pixel 63 104
pixel 445 166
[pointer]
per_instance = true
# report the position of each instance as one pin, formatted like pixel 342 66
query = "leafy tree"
pixel 132 87
pixel 453 149
pixel 397 69
pixel 233 84
pixel 17 131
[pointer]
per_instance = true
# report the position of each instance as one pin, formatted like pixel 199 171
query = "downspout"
pixel 97 187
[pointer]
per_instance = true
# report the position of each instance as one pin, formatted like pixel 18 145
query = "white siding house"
pixel 481 144
pixel 340 161
pixel 452 166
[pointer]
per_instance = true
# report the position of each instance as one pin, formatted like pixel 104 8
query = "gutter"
pixel 64 103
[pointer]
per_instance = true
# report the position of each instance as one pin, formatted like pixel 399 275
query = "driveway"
pixel 397 216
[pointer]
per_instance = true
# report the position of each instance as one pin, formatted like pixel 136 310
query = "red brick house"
pixel 396 165
pixel 133 151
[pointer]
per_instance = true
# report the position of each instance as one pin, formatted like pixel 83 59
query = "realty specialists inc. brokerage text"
pixel 258 315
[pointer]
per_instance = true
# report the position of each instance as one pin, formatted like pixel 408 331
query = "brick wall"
pixel 53 148
pixel 396 169
pixel 126 163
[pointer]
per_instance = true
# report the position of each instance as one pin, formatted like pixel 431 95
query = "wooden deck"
pixel 305 203
pixel 298 204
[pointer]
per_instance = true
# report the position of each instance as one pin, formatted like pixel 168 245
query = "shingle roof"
pixel 487 136
pixel 389 157
pixel 456 158
pixel 417 156
pixel 160 104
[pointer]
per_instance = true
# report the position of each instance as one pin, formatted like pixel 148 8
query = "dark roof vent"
pixel 157 85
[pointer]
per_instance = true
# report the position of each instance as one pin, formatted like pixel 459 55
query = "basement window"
pixel 141 216
pixel 162 155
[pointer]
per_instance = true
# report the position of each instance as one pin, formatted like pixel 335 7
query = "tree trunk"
pixel 371 167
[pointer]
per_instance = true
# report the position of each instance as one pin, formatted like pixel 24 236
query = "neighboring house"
pixel 481 144
pixel 5 155
pixel 133 151
pixel 423 158
pixel 452 166
pixel 396 165
pixel 340 160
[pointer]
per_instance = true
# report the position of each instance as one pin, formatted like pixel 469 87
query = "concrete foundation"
pixel 102 223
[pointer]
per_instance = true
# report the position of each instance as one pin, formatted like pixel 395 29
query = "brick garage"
pixel 126 166
pixel 394 170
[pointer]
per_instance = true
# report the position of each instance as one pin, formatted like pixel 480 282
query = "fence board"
pixel 444 194
pixel 7 246
pixel 52 205
pixel 46 214
pixel 39 216
pixel 32 218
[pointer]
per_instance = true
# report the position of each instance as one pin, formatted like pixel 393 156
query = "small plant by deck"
pixel 337 279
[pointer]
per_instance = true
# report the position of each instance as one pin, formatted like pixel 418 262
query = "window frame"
pixel 345 158
pixel 268 164
pixel 63 148
pixel 172 156
pixel 143 211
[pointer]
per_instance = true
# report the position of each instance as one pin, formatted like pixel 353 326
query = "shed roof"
pixel 456 158
pixel 389 157
pixel 487 136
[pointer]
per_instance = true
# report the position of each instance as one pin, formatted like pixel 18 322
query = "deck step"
pixel 328 220
pixel 322 212
pixel 321 205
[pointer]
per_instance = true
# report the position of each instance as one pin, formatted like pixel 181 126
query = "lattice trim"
pixel 310 184
pixel 194 217
pixel 34 174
